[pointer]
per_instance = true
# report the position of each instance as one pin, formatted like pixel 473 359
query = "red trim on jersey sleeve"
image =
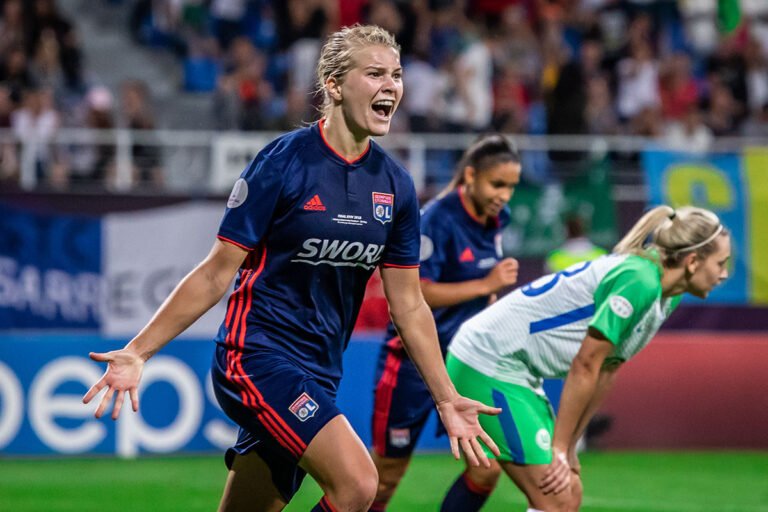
pixel 229 240
pixel 393 265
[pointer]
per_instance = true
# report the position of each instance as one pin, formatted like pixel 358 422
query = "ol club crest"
pixel 383 204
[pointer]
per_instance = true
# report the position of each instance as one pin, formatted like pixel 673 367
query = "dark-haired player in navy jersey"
pixel 461 270
pixel 305 226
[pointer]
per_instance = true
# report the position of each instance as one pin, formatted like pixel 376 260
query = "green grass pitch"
pixel 621 482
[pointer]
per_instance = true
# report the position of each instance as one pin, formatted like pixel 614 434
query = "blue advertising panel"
pixel 714 182
pixel 50 268
pixel 44 377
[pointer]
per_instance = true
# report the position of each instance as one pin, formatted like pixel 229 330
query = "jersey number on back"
pixel 530 290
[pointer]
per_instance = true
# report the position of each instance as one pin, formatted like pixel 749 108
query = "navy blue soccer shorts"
pixel 402 403
pixel 278 405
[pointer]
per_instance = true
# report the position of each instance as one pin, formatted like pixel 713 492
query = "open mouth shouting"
pixel 384 109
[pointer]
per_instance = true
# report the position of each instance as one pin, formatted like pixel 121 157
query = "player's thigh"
pixel 523 430
pixel 339 461
pixel 279 407
pixel 249 487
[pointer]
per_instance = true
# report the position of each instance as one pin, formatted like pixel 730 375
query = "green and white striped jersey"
pixel 536 331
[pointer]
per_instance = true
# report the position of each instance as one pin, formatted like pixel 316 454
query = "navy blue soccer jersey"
pixel 316 226
pixel 457 247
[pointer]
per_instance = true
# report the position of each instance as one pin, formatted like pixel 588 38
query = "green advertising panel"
pixel 539 213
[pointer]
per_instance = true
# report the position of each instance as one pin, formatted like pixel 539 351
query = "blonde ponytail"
pixel 634 241
pixel 675 233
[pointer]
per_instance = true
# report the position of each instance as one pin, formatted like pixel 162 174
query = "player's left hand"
pixel 459 416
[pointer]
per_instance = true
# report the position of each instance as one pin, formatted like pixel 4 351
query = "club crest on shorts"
pixel 304 407
pixel 543 439
pixel 383 204
pixel 399 437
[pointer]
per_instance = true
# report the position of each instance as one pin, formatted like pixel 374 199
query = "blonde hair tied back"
pixel 675 233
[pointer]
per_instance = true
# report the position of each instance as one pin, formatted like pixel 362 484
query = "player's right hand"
pixel 557 476
pixel 503 274
pixel 123 373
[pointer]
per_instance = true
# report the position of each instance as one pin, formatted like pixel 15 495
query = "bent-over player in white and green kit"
pixel 583 323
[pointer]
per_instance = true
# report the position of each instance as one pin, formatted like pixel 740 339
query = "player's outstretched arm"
pixel 416 327
pixel 200 290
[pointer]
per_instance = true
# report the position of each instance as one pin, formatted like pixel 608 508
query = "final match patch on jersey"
pixel 383 204
pixel 621 306
pixel 304 407
pixel 239 194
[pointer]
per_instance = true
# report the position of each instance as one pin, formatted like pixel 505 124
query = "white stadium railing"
pixel 210 161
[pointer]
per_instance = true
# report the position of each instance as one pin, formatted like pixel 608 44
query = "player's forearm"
pixel 417 330
pixel 604 384
pixel 198 292
pixel 578 392
pixel 441 295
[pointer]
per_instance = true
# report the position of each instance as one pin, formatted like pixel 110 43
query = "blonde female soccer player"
pixel 583 323
pixel 306 225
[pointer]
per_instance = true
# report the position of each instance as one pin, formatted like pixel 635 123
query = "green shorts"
pixel 523 431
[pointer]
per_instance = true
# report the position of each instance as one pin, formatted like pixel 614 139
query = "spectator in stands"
pixel 677 87
pixel 399 18
pixel 724 111
pixel 599 112
pixel 518 46
pixel 756 62
pixel 45 16
pixel 568 99
pixel 422 82
pixel 510 101
pixel 37 122
pixel 137 114
pixel 13 32
pixel 227 20
pixel 647 123
pixel 46 64
pixel 93 163
pixel 468 101
pixel 300 26
pixel 9 162
pixel 243 96
pixel 727 67
pixel 689 133
pixel 14 72
pixel 638 82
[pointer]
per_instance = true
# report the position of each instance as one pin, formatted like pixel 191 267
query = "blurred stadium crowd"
pixel 685 70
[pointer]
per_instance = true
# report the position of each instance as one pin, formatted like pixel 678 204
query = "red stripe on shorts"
pixel 383 398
